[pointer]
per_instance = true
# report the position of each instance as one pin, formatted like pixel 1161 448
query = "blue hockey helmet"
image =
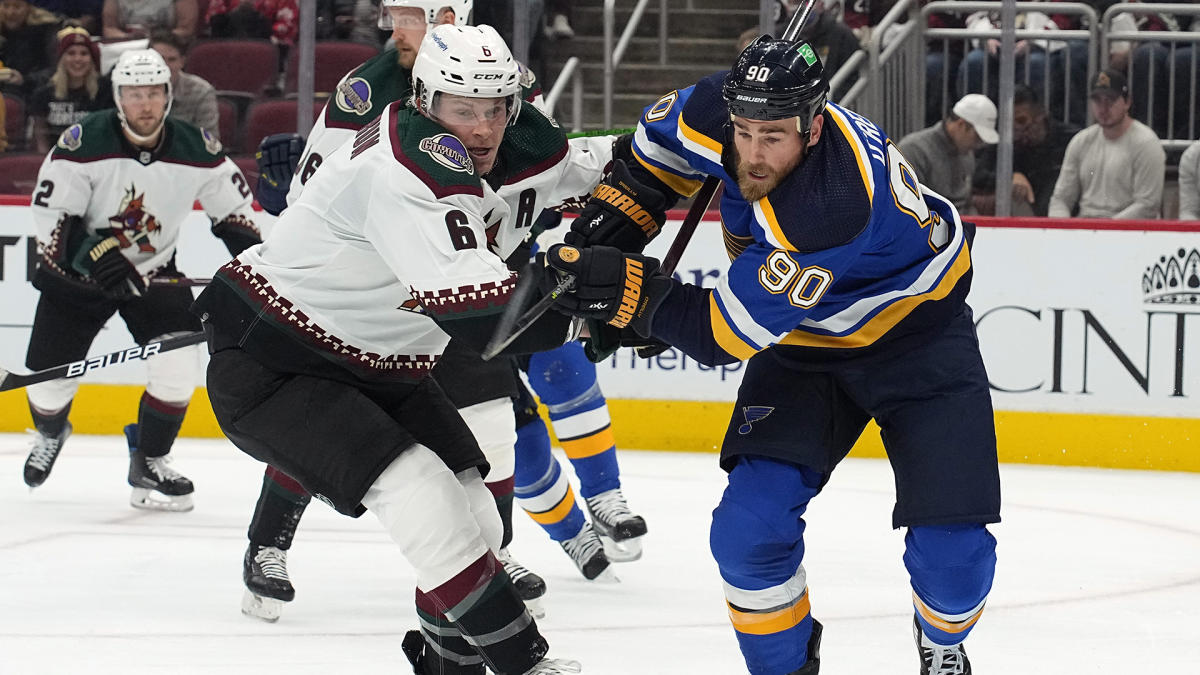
pixel 775 80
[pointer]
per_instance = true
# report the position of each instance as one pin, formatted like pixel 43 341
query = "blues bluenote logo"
pixel 1173 280
pixel 354 96
pixel 449 152
pixel 753 414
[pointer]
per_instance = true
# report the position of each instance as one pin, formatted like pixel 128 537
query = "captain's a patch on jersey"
pixel 448 151
pixel 71 137
pixel 354 96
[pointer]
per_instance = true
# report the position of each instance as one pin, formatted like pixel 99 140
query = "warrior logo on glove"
pixel 612 287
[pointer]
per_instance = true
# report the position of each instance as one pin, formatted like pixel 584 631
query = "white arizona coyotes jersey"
pixel 389 232
pixel 141 197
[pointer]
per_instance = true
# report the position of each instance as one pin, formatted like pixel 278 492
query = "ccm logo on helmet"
pixel 488 76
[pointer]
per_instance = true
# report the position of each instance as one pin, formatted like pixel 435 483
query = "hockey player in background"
pixel 110 200
pixel 847 295
pixel 482 391
pixel 323 339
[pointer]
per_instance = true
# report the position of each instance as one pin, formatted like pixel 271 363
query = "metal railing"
pixel 1155 51
pixel 612 55
pixel 570 73
pixel 890 76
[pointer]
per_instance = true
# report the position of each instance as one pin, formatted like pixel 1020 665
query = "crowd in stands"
pixel 52 74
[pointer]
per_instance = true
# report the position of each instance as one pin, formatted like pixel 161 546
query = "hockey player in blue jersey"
pixel 846 294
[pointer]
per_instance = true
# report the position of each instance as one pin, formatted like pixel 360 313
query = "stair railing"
pixel 572 73
pixel 612 55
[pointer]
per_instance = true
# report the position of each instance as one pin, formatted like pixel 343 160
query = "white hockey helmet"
pixel 432 8
pixel 137 68
pixel 470 61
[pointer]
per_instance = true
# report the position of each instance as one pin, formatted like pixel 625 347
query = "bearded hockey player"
pixel 110 200
pixel 323 339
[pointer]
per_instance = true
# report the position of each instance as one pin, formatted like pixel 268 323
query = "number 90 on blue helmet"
pixel 777 79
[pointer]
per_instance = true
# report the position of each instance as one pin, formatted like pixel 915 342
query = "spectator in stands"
pixel 3 128
pixel 558 20
pixel 1114 168
pixel 1046 65
pixel 1039 144
pixel 73 91
pixel 1154 66
pixel 193 99
pixel 1189 183
pixel 943 155
pixel 26 46
pixel 352 20
pixel 82 13
pixel 278 20
pixel 127 19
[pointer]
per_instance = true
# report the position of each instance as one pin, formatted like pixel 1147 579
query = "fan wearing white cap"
pixel 141 84
pixel 943 155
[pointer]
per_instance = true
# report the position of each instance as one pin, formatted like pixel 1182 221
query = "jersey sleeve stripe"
pixel 724 334
pixel 860 151
pixel 887 318
pixel 936 269
pixel 684 186
pixel 699 143
pixel 765 213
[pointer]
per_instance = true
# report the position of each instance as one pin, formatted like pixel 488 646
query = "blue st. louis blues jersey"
pixel 846 255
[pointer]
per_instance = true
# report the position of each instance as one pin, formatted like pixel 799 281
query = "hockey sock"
pixel 565 381
pixel 158 425
pixel 502 492
pixel 281 504
pixel 542 489
pixel 951 569
pixel 482 603
pixel 50 423
pixel 757 540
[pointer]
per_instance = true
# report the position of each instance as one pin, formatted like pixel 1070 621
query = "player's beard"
pixel 754 190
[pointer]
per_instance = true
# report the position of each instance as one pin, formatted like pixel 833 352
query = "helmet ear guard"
pixel 775 80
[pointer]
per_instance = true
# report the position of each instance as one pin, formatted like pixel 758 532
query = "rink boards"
pixel 1090 331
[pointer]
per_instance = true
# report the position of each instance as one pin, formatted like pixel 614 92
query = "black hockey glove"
pixel 620 289
pixel 604 341
pixel 277 157
pixel 237 233
pixel 101 259
pixel 622 212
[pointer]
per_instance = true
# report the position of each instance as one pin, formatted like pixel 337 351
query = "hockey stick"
pixel 511 325
pixel 601 132
pixel 181 282
pixel 78 368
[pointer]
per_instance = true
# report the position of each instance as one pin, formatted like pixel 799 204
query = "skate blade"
pixel 536 608
pixel 608 576
pixel 258 607
pixel 626 550
pixel 152 500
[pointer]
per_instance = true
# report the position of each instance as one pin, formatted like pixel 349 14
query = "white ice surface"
pixel 1099 573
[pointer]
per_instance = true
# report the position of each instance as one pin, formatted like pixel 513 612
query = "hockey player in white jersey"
pixel 110 200
pixel 323 338
pixel 537 169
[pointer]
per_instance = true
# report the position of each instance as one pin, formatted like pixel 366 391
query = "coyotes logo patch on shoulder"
pixel 71 138
pixel 353 96
pixel 448 151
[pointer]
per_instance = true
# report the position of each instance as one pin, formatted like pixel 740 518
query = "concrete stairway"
pixel 702 40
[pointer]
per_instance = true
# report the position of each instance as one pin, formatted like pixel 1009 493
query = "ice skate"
pixel 813 664
pixel 530 586
pixel 620 529
pixel 587 552
pixel 264 571
pixel 939 659
pixel 156 486
pixel 555 667
pixel 43 454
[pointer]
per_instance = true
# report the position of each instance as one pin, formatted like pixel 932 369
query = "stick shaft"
pixel 511 327
pixel 83 366
pixel 180 281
